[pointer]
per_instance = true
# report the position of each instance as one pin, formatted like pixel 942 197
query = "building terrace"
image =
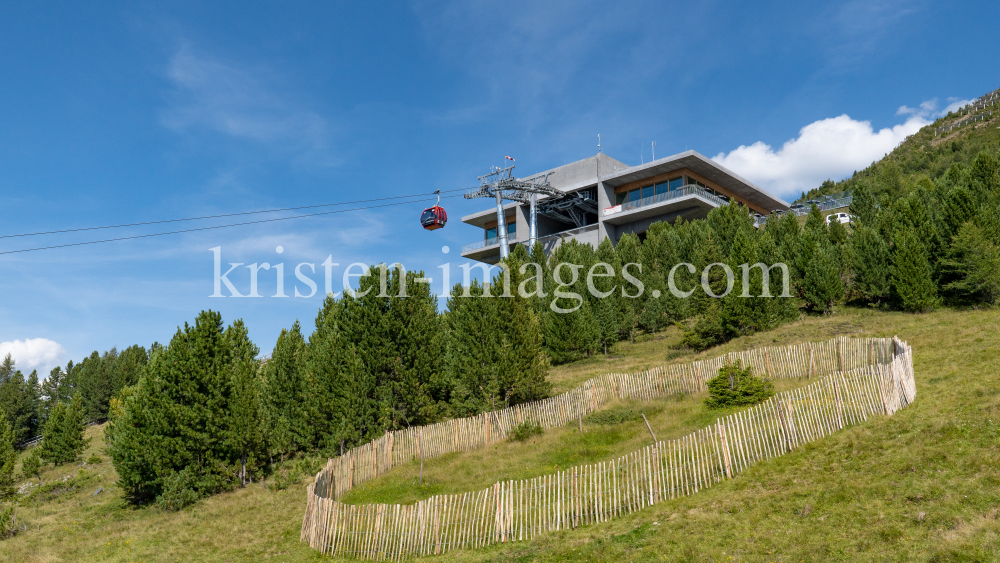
pixel 606 198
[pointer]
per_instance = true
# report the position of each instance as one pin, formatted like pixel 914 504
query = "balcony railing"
pixel 482 244
pixel 666 196
pixel 825 205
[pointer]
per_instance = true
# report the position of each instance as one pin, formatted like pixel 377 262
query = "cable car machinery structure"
pixel 500 184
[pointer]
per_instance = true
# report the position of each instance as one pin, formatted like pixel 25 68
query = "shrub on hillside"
pixel 31 465
pixel 711 329
pixel 10 525
pixel 522 432
pixel 614 415
pixel 737 386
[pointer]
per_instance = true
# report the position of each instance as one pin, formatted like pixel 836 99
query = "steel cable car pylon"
pixel 501 184
pixel 435 217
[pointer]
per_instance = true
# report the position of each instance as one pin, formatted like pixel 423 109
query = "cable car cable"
pixel 210 228
pixel 220 216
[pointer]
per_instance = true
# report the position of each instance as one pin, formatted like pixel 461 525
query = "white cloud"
pixel 828 148
pixel 34 353
pixel 242 104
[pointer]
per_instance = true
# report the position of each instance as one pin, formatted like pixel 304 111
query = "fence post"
pixel 496 515
pixel 784 426
pixel 767 359
pixel 725 448
pixel 388 459
pixel 840 349
pixel 791 421
pixel 698 365
pixel 812 360
pixel 840 410
pixel 437 525
pixel 650 428
pixel 351 470
pixel 574 500
pixel 420 446
pixel 489 416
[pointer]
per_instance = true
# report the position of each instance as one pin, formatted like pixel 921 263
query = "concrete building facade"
pixel 605 198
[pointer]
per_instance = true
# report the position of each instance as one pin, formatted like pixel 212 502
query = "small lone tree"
pixel 737 386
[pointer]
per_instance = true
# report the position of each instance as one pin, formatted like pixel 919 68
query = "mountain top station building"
pixel 605 198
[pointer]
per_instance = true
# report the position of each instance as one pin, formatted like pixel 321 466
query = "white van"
pixel 845 218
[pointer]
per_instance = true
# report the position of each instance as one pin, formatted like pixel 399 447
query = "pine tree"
pixel 629 251
pixel 974 261
pixel 822 286
pixel 494 354
pixel 706 254
pixel 62 438
pixel 606 308
pixel 865 207
pixel 341 401
pixel 744 308
pixel 726 222
pixel 787 237
pixel 172 435
pixel 286 381
pixel 7 368
pixel 782 306
pixel 128 367
pixel 8 456
pixel 911 273
pixel 96 383
pixel 17 402
pixel 571 336
pixel 985 173
pixel 815 234
pixel 570 328
pixel 248 415
pixel 870 264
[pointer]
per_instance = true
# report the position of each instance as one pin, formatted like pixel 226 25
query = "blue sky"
pixel 118 113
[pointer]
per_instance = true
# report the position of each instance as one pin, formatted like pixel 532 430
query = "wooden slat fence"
pixel 864 377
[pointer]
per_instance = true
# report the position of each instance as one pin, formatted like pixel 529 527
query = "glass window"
pixel 491 233
pixel 620 198
pixel 647 192
pixel 512 228
pixel 662 188
pixel 676 183
pixel 634 195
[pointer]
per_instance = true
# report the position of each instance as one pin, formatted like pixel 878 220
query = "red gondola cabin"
pixel 433 218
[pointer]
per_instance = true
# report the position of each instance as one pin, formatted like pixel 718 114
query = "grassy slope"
pixel 858 495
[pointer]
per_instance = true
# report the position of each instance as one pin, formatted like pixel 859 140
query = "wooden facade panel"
pixel 509 218
pixel 693 176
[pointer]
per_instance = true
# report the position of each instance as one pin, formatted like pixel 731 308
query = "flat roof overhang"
pixel 705 167
pixel 692 204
